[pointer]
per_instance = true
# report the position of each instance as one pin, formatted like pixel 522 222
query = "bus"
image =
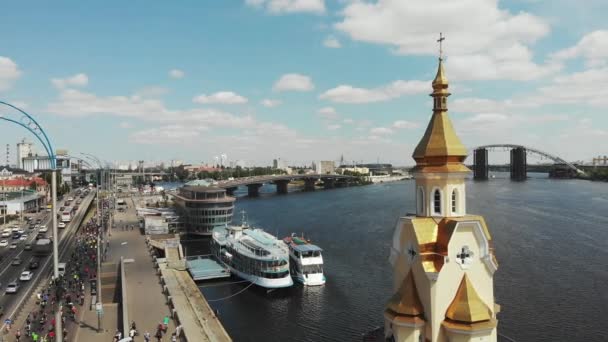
pixel 66 216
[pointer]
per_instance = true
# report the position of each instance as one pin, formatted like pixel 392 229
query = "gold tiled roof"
pixel 433 236
pixel 467 307
pixel 440 139
pixel 406 301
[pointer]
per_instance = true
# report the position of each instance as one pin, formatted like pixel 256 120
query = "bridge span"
pixel 254 183
pixel 518 165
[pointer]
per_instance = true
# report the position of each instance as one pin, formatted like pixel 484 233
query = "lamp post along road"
pixel 29 123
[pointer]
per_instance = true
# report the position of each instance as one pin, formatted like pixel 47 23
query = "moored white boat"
pixel 306 261
pixel 252 254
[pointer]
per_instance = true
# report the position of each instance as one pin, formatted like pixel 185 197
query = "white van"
pixel 61 268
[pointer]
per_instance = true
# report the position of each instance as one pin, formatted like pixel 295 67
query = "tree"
pixel 181 173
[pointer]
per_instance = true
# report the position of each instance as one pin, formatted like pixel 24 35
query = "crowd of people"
pixel 69 287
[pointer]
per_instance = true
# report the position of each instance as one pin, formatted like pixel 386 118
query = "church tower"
pixel 443 258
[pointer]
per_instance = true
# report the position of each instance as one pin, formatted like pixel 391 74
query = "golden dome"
pixel 467 307
pixel 440 149
pixel 406 301
pixel 440 78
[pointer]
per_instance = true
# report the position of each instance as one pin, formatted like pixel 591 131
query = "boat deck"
pixel 206 267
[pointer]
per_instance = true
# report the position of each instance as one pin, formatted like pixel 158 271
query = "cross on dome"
pixel 440 41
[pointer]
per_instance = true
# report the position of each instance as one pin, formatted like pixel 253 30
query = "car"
pixel 60 225
pixel 23 237
pixel 43 229
pixel 21 231
pixel 26 276
pixel 34 263
pixel 15 229
pixel 27 247
pixel 16 261
pixel 3 243
pixel 40 236
pixel 38 221
pixel 12 287
pixel 13 245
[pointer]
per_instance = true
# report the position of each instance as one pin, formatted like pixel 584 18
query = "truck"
pixel 43 247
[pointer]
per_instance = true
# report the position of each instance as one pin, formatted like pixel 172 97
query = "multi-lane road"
pixel 8 273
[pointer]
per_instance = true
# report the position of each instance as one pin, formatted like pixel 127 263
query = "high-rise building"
pixel 24 149
pixel 443 258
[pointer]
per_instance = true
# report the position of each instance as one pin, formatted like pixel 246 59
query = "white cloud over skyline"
pixel 289 6
pixel 293 82
pixel 176 74
pixel 9 73
pixel 78 80
pixel 221 97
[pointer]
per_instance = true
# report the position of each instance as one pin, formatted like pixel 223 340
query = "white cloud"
pixel 152 91
pixel 78 80
pixel 289 6
pixel 498 51
pixel 592 47
pixel 9 73
pixel 293 82
pixel 332 42
pixel 176 73
pixel 348 121
pixel 125 124
pixel 350 94
pixel 333 127
pixel 328 113
pixel 402 124
pixel 270 103
pixel 222 97
pixel 378 131
pixel 585 88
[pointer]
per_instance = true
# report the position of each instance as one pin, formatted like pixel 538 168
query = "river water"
pixel 551 240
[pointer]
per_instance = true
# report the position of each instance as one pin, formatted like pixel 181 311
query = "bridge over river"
pixel 254 183
pixel 518 166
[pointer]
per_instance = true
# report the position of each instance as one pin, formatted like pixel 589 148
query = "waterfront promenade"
pixel 146 304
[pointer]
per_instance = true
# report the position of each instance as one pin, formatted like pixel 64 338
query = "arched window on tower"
pixel 420 201
pixel 454 198
pixel 437 202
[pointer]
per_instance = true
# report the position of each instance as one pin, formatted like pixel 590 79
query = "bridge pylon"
pixel 518 164
pixel 480 164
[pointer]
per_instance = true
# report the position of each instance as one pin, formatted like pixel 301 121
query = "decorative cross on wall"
pixel 464 254
pixel 411 252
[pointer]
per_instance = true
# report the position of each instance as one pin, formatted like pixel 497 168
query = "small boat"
pixel 306 261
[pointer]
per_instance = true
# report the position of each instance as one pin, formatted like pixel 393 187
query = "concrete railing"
pixel 124 298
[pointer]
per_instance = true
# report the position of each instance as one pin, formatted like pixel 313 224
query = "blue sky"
pixel 303 80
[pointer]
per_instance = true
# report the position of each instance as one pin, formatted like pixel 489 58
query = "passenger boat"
pixel 252 254
pixel 306 261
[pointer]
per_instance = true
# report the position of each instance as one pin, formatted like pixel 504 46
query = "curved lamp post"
pixel 26 121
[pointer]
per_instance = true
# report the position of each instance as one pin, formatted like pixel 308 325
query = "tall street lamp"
pixel 26 121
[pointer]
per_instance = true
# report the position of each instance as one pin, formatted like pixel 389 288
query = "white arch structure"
pixel 533 150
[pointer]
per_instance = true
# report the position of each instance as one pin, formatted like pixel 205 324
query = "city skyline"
pixel 303 80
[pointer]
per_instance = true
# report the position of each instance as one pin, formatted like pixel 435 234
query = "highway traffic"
pixel 20 255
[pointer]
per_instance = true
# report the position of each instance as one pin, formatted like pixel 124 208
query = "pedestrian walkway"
pixel 146 306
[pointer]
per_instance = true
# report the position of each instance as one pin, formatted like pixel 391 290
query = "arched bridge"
pixel 281 181
pixel 518 160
